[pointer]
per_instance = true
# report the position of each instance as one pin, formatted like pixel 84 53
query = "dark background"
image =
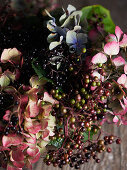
pixel 118 8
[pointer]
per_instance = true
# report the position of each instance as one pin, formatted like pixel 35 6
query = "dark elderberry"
pixel 60 166
pixel 79 155
pixel 74 159
pixel 88 155
pixel 81 161
pixel 77 166
pixel 71 165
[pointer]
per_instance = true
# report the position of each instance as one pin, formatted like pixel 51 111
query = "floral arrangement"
pixel 56 94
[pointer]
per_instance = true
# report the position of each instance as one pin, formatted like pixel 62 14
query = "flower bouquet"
pixel 59 85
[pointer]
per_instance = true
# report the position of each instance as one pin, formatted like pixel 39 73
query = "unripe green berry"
pixel 83 90
pixel 77 105
pixel 59 97
pixel 93 83
pixel 72 119
pixel 102 98
pixel 72 101
pixel 100 65
pixel 98 83
pixel 83 101
pixel 71 68
pixel 57 91
pixel 87 80
pixel 43 103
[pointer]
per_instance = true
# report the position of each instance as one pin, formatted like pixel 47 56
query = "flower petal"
pixel 71 37
pixel 115 119
pixel 99 58
pixel 96 74
pixel 19 164
pixel 111 48
pixel 51 37
pixel 123 43
pixel 32 152
pixel 11 139
pixel 33 127
pixel 17 155
pixel 36 82
pixel 10 167
pixel 119 61
pixel 51 25
pixel 33 108
pixel 46 110
pixel 11 54
pixel 7 115
pixel 53 45
pixel 110 38
pixel 4 81
pixel 125 69
pixel 48 98
pixel 122 79
pixel 118 32
pixel 70 9
pixel 45 134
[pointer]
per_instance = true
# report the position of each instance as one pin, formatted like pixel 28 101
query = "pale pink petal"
pixel 11 140
pixel 23 146
pixel 11 54
pixel 125 100
pixel 96 74
pixel 36 82
pixel 110 38
pixel 125 69
pixel 112 48
pixel 115 119
pixel 7 115
pixel 118 32
pixel 46 110
pixel 99 58
pixel 33 108
pixel 17 155
pixel 31 140
pixel 48 98
pixel 123 43
pixel 32 152
pixel 125 85
pixel 33 127
pixel 44 124
pixel 122 79
pixel 119 61
pixel 45 134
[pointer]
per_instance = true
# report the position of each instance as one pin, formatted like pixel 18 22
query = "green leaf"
pixel 86 135
pixel 102 12
pixel 57 143
pixel 40 72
